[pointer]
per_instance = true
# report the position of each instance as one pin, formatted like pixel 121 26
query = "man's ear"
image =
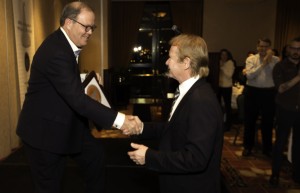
pixel 68 23
pixel 187 62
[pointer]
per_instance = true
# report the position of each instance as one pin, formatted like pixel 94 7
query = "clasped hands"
pixel 132 125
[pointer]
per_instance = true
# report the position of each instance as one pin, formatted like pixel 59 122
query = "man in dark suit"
pixel 53 123
pixel 189 155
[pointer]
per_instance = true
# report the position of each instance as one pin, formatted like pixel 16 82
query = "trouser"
pixel 48 168
pixel 285 121
pixel 226 94
pixel 259 101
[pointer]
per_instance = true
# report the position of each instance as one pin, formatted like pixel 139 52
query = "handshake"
pixel 132 125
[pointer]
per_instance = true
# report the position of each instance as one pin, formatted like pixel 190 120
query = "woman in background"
pixel 227 66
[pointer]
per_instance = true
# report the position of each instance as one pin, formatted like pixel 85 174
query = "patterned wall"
pixel 24 36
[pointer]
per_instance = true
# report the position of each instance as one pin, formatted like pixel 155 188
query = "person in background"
pixel 242 79
pixel 189 155
pixel 227 66
pixel 286 75
pixel 53 122
pixel 259 97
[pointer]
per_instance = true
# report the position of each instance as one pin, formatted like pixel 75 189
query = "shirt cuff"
pixel 120 119
pixel 142 128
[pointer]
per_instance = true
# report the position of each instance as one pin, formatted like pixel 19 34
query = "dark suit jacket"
pixel 190 147
pixel 56 109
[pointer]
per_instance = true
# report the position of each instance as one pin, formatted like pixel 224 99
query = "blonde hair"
pixel 195 48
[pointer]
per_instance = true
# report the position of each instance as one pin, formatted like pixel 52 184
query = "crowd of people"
pixel 271 97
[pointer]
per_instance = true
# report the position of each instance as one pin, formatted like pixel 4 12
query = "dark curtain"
pixel 123 32
pixel 287 22
pixel 188 16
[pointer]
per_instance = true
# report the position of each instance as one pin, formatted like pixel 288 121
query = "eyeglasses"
pixel 87 27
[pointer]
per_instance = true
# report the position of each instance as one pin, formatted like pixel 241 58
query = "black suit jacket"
pixel 190 148
pixel 56 109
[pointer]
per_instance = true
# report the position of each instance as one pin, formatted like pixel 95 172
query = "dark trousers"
pixel 226 94
pixel 259 102
pixel 285 121
pixel 48 168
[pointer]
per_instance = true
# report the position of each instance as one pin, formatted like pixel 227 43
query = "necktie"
pixel 176 95
pixel 77 52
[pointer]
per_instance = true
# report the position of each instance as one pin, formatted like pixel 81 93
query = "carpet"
pixel 251 174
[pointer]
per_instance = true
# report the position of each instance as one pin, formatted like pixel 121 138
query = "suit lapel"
pixel 184 100
pixel 69 51
pixel 67 46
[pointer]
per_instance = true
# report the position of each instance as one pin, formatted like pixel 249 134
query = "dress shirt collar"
pixel 184 87
pixel 187 84
pixel 73 46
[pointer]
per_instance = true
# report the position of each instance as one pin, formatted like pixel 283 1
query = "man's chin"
pixel 82 44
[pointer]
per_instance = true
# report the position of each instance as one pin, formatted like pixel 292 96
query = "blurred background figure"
pixel 227 66
pixel 275 52
pixel 242 78
pixel 259 97
pixel 286 75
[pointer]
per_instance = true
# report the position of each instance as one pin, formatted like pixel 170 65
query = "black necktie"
pixel 176 95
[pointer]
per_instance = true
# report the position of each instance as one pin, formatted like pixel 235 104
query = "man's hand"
pixel 132 125
pixel 138 155
pixel 289 84
pixel 244 72
pixel 268 58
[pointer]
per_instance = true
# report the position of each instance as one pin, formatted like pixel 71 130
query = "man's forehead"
pixel 174 48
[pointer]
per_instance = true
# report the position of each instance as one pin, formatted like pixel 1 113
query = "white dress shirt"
pixel 258 76
pixel 226 72
pixel 184 87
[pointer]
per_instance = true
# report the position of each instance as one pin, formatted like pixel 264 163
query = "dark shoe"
pixel 274 180
pixel 246 152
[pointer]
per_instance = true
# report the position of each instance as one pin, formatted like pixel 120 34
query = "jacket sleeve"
pixel 62 72
pixel 152 130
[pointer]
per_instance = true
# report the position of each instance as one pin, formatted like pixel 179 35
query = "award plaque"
pixel 93 89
